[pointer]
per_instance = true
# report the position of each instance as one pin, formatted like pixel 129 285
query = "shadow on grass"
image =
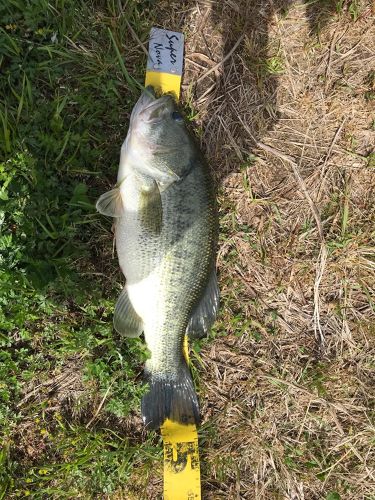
pixel 253 21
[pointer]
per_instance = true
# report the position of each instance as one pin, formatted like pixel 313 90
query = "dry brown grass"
pixel 287 384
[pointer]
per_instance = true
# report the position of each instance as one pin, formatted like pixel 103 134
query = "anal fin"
pixel 206 310
pixel 125 320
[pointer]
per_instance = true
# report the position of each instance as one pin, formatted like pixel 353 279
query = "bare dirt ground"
pixel 282 94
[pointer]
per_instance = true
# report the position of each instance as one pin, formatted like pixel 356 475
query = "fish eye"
pixel 177 117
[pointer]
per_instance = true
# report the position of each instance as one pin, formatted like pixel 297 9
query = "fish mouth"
pixel 149 108
pixel 155 111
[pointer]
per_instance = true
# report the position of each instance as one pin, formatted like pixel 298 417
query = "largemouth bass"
pixel 166 232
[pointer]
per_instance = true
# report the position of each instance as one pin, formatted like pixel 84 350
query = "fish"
pixel 166 231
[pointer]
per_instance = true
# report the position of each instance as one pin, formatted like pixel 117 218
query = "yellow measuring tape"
pixel 164 82
pixel 181 453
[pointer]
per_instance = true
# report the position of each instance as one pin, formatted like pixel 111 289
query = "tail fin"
pixel 170 396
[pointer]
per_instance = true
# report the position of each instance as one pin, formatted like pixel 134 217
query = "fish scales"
pixel 171 268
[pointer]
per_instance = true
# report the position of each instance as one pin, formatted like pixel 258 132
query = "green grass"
pixel 67 86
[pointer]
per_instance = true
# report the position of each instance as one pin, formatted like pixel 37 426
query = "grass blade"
pixel 129 79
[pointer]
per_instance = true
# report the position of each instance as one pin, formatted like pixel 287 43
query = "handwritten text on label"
pixel 165 51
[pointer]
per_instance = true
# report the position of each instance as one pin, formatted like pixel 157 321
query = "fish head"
pixel 158 141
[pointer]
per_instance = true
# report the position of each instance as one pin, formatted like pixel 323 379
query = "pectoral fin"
pixel 150 207
pixel 206 310
pixel 110 203
pixel 125 320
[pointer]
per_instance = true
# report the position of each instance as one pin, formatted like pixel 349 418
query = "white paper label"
pixel 166 51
